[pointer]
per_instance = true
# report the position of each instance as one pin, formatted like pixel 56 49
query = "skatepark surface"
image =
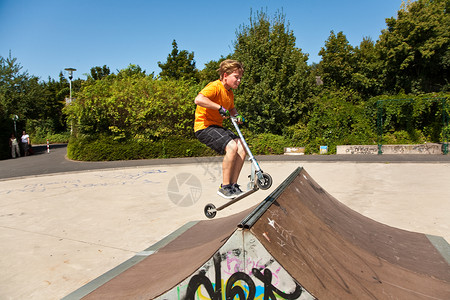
pixel 63 223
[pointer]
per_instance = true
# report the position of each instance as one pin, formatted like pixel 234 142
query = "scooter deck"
pixel 211 211
pixel 234 200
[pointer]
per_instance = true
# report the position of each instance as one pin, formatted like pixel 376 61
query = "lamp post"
pixel 70 70
pixel 15 118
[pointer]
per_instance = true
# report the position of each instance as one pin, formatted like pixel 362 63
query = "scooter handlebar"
pixel 236 118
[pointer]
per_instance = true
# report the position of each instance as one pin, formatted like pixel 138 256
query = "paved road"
pixel 43 163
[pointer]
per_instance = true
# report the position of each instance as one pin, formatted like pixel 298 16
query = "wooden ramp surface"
pixel 337 253
pixel 171 264
pixel 330 250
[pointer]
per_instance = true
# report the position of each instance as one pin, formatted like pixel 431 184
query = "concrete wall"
pixel 294 151
pixel 429 148
pixel 241 267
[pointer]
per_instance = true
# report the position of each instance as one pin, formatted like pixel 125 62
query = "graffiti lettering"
pixel 233 290
pixel 236 264
pixel 362 149
pixel 201 280
pixel 239 284
pixel 419 149
pixel 269 289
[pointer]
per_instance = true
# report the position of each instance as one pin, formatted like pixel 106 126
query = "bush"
pixel 267 144
pixel 404 137
pixel 413 119
pixel 53 138
pixel 339 117
pixel 134 107
pixel 106 148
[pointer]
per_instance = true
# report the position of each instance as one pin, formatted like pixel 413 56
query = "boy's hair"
pixel 228 66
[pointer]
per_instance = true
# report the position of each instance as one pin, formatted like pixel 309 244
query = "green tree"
pixel 367 69
pixel 131 70
pixel 137 107
pixel 335 122
pixel 179 65
pixel 20 93
pixel 338 61
pixel 415 48
pixel 54 94
pixel 210 72
pixel 98 73
pixel 277 80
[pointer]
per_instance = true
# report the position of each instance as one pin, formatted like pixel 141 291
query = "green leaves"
pixel 278 94
pixel 415 119
pixel 338 61
pixel 415 48
pixel 98 73
pixel 277 81
pixel 179 65
pixel 135 106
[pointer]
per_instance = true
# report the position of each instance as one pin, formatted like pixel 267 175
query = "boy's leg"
pixel 239 162
pixel 225 142
pixel 233 161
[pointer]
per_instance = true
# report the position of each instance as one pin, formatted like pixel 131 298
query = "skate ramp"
pixel 299 243
pixel 337 253
pixel 168 266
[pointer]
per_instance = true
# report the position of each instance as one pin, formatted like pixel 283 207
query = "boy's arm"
pixel 205 102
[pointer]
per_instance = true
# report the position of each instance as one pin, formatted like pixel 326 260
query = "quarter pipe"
pixel 298 243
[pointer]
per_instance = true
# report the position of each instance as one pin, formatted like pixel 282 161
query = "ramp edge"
pixel 251 218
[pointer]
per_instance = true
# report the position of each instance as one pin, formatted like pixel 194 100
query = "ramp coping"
pixel 250 220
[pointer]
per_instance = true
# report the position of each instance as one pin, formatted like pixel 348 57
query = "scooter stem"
pixel 251 158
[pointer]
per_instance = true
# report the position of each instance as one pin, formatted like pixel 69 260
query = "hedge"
pixel 106 148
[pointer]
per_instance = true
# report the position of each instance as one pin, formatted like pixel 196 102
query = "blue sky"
pixel 48 36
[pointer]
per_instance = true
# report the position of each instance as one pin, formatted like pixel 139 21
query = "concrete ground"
pixel 64 223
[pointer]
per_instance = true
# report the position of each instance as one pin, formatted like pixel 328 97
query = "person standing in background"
pixel 25 143
pixel 14 145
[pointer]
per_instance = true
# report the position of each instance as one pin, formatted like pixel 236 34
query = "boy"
pixel 214 104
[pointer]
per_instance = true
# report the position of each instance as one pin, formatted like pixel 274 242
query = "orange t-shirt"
pixel 217 93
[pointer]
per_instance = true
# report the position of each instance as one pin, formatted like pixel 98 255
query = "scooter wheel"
pixel 210 210
pixel 264 183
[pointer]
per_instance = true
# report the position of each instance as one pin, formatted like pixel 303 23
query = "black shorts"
pixel 216 137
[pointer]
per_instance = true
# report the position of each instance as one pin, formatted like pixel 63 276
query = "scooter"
pixel 258 179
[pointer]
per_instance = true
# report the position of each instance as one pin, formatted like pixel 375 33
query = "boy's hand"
pixel 239 119
pixel 224 112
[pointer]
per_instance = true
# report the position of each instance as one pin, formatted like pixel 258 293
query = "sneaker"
pixel 226 191
pixel 237 190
